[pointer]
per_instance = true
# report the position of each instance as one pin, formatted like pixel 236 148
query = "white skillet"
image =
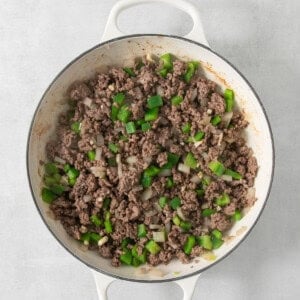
pixel 118 49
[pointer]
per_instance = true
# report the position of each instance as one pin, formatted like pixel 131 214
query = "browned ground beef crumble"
pixel 91 103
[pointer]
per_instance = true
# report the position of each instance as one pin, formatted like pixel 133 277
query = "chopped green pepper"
pixel 114 113
pixel 130 127
pixel 66 168
pixel 142 257
pixel 96 220
pixel 113 148
pixel 50 169
pixel 119 98
pixel 207 212
pixel 57 189
pixel 88 237
pixel 91 155
pixel 205 242
pixel 151 114
pixel 145 126
pixel 48 196
pixel 237 216
pixel 200 192
pixel 229 99
pixel 151 171
pixel 107 223
pixel 76 126
pixel 152 247
pixel 216 120
pixel 167 61
pixel 126 242
pixel 216 167
pixel 186 128
pixel 106 203
pixel 191 70
pixel 176 100
pixel 199 136
pixel 223 200
pixel 176 220
pixel 129 71
pixel 169 182
pixel 175 202
pixel 189 244
pixel 126 257
pixel 162 201
pixel 172 160
pixel 141 230
pixel 154 101
pixel 112 161
pixel 146 181
pixel 163 73
pixel 216 238
pixel 233 174
pixel 124 114
pixel 185 225
pixel 217 234
pixel 190 161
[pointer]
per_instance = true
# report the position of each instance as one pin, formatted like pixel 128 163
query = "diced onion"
pixel 180 214
pixel 197 144
pixel 59 160
pixel 99 140
pixel 131 160
pixel 148 159
pixel 154 226
pixel 98 153
pixel 87 198
pixel 147 194
pixel 251 195
pixel 159 91
pixel 226 177
pixel 103 241
pixel 204 155
pixel 118 160
pixel 196 179
pixel 227 118
pixel 87 101
pixel 149 57
pixel 157 207
pixel 168 227
pixel 206 120
pixel 220 139
pixel 165 173
pixel 159 237
pixel 184 168
pixel 98 171
pixel 150 213
pixel 193 94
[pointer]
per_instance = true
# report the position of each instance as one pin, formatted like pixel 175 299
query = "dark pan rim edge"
pixel 265 200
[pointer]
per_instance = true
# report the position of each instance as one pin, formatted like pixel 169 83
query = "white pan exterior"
pixel 121 52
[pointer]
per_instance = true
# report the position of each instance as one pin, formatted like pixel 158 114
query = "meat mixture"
pixel 149 163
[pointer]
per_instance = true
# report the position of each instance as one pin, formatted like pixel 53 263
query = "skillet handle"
pixel 102 283
pixel 112 30
pixel 188 286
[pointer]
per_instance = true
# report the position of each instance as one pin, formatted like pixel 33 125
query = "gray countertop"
pixel 38 38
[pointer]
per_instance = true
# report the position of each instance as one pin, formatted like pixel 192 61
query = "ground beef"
pixel 109 181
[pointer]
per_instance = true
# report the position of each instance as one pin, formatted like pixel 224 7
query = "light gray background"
pixel 38 38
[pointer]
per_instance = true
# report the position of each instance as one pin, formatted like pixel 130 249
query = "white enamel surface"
pixel 121 53
pixel 112 29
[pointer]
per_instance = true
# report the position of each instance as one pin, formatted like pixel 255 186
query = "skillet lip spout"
pixel 152 280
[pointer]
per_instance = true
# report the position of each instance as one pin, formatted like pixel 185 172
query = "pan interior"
pixel 121 52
